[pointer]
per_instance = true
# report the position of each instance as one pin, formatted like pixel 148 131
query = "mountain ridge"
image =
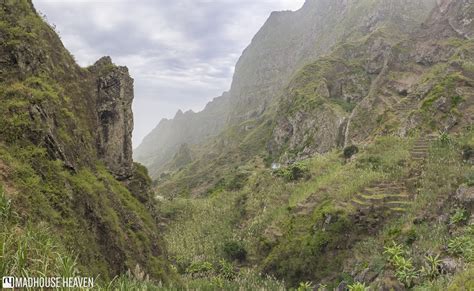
pixel 271 60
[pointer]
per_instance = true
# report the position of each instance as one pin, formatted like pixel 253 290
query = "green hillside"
pixel 64 209
pixel 341 159
pixel 370 144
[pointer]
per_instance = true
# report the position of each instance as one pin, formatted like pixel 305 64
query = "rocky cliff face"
pixel 285 44
pixel 66 155
pixel 333 102
pixel 290 40
pixel 318 107
pixel 115 117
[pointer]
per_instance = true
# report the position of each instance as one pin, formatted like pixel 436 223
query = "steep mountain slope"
pixel 370 143
pixel 68 184
pixel 162 143
pixel 287 41
pixel 309 115
pixel 384 76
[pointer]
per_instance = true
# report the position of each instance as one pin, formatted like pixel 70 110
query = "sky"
pixel 181 53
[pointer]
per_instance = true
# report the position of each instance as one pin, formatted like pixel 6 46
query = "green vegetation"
pixel 274 225
pixel 460 215
pixel 382 208
pixel 358 287
pixel 302 230
pixel 235 251
pixel 62 212
pixel 293 172
pixel 350 151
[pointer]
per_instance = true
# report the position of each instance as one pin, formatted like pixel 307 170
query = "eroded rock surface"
pixel 115 117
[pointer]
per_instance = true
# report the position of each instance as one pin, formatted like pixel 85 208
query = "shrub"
pixel 404 269
pixel 462 246
pixel 350 151
pixel 395 250
pixel 235 251
pixel 305 286
pixel 357 286
pixel 370 163
pixel 237 182
pixel 293 172
pixel 470 179
pixel 227 270
pixel 411 236
pixel 459 215
pixel 200 269
pixel 445 139
pixel 431 268
pixel 467 152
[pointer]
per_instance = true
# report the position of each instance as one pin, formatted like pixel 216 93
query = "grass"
pixel 263 215
pixel 417 230
pixel 260 213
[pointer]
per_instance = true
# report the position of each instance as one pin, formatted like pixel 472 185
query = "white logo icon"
pixel 7 282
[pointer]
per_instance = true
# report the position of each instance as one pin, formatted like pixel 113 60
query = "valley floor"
pixel 397 214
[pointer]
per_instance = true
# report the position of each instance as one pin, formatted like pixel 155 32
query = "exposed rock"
pixel 114 112
pixel 307 133
pixel 342 286
pixel 442 104
pixel 465 194
pixel 387 282
pixel 53 146
pixel 448 266
pixel 366 275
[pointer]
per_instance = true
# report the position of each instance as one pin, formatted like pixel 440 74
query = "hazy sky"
pixel 181 53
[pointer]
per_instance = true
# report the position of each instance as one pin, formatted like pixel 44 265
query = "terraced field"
pixel 393 197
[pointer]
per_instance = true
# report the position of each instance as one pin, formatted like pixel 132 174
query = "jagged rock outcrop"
pixel 115 117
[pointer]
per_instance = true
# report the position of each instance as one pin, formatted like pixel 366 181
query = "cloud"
pixel 181 53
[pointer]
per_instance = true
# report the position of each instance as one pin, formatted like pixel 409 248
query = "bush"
pixel 235 251
pixel 305 286
pixel 431 269
pixel 358 287
pixel 398 258
pixel 467 152
pixel 411 236
pixel 227 270
pixel 462 246
pixel 459 215
pixel 445 139
pixel 293 172
pixel 470 179
pixel 350 151
pixel 200 269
